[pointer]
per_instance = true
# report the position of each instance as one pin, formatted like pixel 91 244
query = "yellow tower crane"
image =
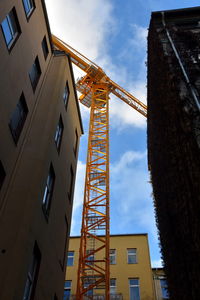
pixel 95 88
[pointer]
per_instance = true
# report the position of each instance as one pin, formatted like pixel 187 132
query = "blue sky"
pixel 113 34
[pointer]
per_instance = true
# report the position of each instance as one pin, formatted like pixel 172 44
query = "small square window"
pixel 11 29
pixel 29 6
pixel 45 47
pixel 48 191
pixel 2 174
pixel 70 258
pixel 59 133
pixel 132 256
pixel 18 118
pixel 66 94
pixel 35 73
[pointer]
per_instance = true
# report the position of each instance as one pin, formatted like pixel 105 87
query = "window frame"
pixel 71 187
pixel 70 257
pixel 2 174
pixel 76 142
pixel 67 297
pixel 113 286
pixel 13 26
pixel 164 288
pixel 134 255
pixel 59 134
pixel 35 73
pixel 113 255
pixel 134 286
pixel 20 113
pixel 66 94
pixel 30 12
pixel 32 274
pixel 48 191
pixel 45 48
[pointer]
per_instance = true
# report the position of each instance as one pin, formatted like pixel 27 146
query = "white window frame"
pixel 114 287
pixel 113 255
pixel 134 286
pixel 132 254
pixel 70 256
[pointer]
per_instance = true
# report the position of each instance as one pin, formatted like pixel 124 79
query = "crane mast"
pixel 95 87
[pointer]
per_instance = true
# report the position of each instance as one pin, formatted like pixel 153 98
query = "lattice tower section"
pixel 93 270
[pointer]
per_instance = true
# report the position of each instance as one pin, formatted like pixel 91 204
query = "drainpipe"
pixel 192 89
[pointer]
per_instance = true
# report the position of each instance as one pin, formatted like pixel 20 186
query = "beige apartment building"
pixel 40 126
pixel 130 269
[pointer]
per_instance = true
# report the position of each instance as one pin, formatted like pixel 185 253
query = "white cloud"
pixel 139 38
pixel 84 24
pixel 131 192
pixel 87 25
pixel 157 263
pixel 78 198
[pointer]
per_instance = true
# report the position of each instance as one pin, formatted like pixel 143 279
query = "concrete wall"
pixel 122 271
pixel 22 221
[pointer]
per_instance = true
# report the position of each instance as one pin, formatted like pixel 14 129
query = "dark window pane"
pixel 18 118
pixel 32 274
pixel 71 183
pixel 58 134
pixel 35 73
pixel 45 47
pixel 10 28
pixel 48 191
pixel 2 174
pixel 164 288
pixel 66 94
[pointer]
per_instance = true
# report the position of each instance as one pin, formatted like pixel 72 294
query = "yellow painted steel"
pixel 95 88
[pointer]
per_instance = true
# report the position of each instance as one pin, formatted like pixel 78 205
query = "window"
pixel 67 290
pixel 2 174
pixel 134 289
pixel 32 276
pixel 70 258
pixel 76 142
pixel 28 7
pixel 11 29
pixel 58 134
pixel 112 256
pixel 90 258
pixel 35 73
pixel 132 256
pixel 71 183
pixel 164 288
pixel 48 192
pixel 90 291
pixel 112 286
pixel 66 94
pixel 18 118
pixel 45 47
